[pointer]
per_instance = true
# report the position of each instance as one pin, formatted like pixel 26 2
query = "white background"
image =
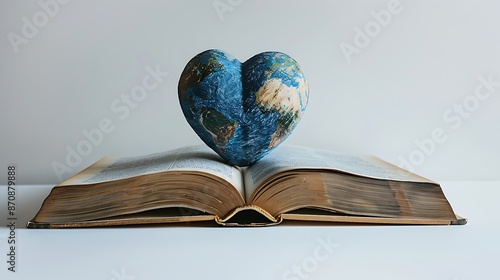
pixel 62 78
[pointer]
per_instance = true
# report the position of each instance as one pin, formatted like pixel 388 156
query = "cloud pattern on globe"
pixel 243 110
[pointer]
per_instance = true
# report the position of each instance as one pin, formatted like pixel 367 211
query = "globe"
pixel 243 110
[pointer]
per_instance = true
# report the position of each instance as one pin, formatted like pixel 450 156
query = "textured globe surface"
pixel 243 110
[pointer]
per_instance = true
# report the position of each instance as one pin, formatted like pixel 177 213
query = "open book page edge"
pixel 290 157
pixel 411 176
pixel 370 220
pixel 212 165
pixel 124 222
pixel 163 161
pixel 87 173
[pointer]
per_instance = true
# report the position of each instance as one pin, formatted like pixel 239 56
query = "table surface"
pixel 279 252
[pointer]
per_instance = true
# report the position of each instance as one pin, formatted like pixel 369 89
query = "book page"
pixel 194 158
pixel 288 157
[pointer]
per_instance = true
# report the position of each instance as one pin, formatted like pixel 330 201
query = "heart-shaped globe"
pixel 243 110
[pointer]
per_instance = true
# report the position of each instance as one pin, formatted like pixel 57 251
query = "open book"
pixel 291 183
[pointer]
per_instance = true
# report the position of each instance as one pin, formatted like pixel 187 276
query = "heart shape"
pixel 243 110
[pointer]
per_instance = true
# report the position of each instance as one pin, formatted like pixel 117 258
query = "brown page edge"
pixel 122 222
pixel 371 220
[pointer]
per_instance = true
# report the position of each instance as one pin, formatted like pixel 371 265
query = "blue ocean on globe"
pixel 243 110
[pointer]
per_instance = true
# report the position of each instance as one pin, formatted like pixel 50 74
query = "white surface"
pixel 359 252
pixel 65 79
